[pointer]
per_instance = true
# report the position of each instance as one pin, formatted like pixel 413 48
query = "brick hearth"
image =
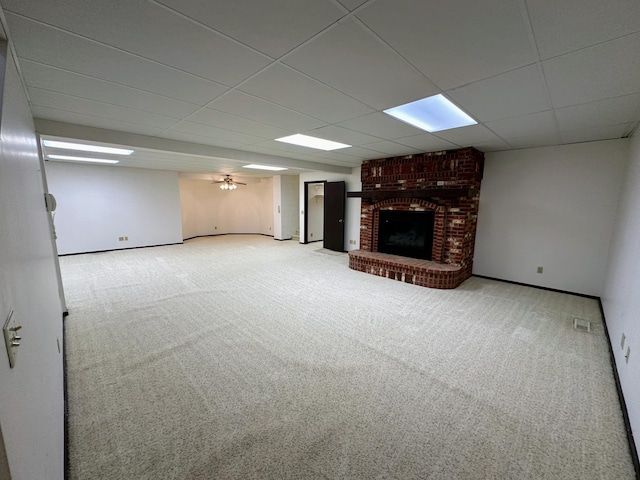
pixel 446 182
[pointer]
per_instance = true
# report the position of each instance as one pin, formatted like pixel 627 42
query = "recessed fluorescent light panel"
pixel 81 159
pixel 312 142
pixel 264 167
pixel 86 148
pixel 432 114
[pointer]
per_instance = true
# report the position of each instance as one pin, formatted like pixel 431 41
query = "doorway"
pixel 314 211
pixel 324 207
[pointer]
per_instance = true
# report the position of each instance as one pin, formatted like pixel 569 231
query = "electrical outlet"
pixel 120 239
pixel 126 239
pixel 311 235
pixel 628 354
pixel 215 228
pixel 624 337
pixel 539 269
pixel 11 338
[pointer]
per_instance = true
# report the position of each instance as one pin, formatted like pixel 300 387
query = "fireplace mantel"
pixel 426 193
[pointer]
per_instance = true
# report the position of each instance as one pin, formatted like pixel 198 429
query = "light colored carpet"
pixel 241 357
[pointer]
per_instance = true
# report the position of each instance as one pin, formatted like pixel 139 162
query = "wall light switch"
pixel 539 270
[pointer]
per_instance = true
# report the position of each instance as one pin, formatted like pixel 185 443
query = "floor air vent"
pixel 580 324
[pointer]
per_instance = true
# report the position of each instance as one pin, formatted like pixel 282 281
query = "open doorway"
pixel 314 211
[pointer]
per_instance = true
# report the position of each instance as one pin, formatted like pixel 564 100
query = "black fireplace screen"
pixel 406 233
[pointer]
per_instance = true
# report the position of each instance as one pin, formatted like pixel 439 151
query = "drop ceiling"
pixel 200 86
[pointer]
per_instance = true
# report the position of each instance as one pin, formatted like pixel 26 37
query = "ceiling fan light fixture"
pixel 227 183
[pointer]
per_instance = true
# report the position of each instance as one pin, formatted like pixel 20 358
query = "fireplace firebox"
pixel 406 233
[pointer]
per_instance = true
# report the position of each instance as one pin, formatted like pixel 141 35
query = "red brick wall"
pixel 455 218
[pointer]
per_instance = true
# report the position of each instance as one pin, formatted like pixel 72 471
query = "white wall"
pixel 621 293
pixel 352 213
pixel 31 394
pixel 98 204
pixel 208 210
pixel 552 207
pixel 290 205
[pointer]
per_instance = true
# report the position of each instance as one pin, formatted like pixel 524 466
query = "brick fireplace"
pixel 446 183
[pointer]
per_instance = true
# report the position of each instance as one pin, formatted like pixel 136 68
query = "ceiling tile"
pixel 352 4
pixel 536 140
pixel 285 87
pixel 163 36
pixel 524 126
pixel 216 118
pixel 343 135
pixel 61 81
pixel 92 121
pixel 392 148
pixel 507 95
pixel 353 61
pixel 363 153
pixel 562 27
pixel 270 26
pixel 45 98
pixel 380 125
pixel 596 133
pixel 253 108
pixel 426 142
pixel 267 148
pixel 467 136
pixel 286 149
pixel 454 42
pixel 36 42
pixel 611 111
pixel 594 73
pixel 340 158
pixel 496 146
pixel 214 132
pixel 205 139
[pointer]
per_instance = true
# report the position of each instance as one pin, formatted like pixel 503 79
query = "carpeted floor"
pixel 241 357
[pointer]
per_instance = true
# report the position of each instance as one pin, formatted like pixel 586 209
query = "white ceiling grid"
pixel 201 86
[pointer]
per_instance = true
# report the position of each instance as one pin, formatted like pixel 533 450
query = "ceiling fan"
pixel 228 183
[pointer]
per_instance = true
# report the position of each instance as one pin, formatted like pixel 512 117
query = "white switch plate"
pixel 11 336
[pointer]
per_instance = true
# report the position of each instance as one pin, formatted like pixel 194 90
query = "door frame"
pixel 305 240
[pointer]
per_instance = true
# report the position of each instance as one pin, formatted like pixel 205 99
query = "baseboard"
pixel 623 404
pixel 118 249
pixel 65 431
pixel 584 295
pixel 223 234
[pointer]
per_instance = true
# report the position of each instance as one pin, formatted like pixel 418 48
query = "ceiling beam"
pixel 134 140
